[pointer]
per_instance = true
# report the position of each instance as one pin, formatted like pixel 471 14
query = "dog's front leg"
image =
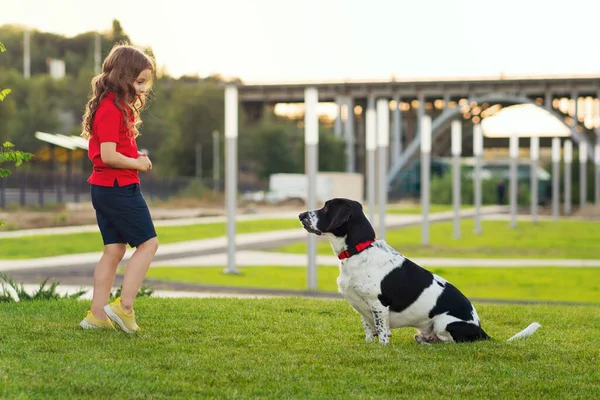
pixel 369 329
pixel 381 317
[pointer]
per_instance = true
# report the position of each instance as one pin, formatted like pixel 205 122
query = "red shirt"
pixel 109 126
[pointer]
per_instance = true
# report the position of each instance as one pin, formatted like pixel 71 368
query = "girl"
pixel 110 124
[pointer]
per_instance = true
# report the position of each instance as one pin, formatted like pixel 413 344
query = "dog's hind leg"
pixel 369 329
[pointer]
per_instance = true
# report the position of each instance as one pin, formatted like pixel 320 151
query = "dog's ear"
pixel 340 217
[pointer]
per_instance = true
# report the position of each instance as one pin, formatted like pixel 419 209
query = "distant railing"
pixel 29 188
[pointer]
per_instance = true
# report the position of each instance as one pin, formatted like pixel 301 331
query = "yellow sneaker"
pixel 91 322
pixel 125 321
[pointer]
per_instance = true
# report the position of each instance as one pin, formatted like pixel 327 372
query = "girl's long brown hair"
pixel 120 69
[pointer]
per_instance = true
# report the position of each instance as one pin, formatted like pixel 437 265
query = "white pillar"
pixel 311 140
pixel 568 156
pixel 456 132
pixel 583 157
pixel 534 153
pixel 478 153
pixel 383 141
pixel 425 175
pixel 555 177
pixel 231 134
pixel 371 147
pixel 514 182
pixel 26 53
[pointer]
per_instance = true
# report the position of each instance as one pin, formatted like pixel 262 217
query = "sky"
pixel 319 40
pixel 335 40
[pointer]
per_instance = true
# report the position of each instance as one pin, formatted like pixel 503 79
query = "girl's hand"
pixel 144 163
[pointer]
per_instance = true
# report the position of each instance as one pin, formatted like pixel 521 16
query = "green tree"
pixel 7 151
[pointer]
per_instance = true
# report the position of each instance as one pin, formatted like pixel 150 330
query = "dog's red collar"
pixel 355 250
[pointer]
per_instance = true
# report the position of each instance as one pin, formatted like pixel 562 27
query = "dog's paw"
pixel 369 338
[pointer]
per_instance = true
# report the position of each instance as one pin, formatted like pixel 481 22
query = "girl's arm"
pixel 112 158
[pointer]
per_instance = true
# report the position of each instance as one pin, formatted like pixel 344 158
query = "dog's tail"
pixel 526 332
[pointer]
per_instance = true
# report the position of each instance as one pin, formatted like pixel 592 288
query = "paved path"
pixel 250 258
pixel 196 248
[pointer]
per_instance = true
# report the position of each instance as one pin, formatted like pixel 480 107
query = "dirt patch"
pixel 591 211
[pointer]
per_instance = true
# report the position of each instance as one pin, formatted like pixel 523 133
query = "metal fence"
pixel 33 188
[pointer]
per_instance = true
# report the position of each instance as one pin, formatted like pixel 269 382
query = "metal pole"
pixel 350 139
pixel 597 171
pixel 478 153
pixel 26 53
pixel 371 147
pixel 97 57
pixel 456 131
pixel 311 140
pixel 396 147
pixel 568 150
pixel 534 152
pixel 425 175
pixel 216 161
pixel 231 134
pixel 555 177
pixel 199 160
pixel 383 140
pixel 583 156
pixel 514 153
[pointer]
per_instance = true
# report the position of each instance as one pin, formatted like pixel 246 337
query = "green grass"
pixel 547 240
pixel 288 348
pixel 547 284
pixel 53 245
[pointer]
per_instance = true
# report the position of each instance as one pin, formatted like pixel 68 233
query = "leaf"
pixel 2 48
pixel 4 93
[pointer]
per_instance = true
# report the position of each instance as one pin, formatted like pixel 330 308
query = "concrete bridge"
pixel 444 100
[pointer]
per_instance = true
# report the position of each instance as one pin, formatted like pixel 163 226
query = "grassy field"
pixel 53 245
pixel 289 348
pixel 544 284
pixel 547 239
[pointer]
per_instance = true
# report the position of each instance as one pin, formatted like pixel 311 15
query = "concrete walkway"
pixel 249 258
pixel 197 248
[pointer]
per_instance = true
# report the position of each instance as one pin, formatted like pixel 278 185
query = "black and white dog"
pixel 387 289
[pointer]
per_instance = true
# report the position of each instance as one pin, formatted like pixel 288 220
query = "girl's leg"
pixel 104 277
pixel 135 272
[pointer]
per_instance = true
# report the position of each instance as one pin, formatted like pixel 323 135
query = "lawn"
pixel 289 348
pixel 544 284
pixel 85 242
pixel 546 239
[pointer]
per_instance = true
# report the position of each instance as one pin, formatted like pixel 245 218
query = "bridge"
pixel 567 98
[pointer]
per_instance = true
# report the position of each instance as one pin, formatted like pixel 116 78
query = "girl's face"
pixel 141 81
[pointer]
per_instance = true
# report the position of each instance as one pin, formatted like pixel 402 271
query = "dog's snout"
pixel 303 215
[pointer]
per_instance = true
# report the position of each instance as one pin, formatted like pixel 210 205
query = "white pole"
pixel 597 171
pixel 371 147
pixel 514 184
pixel 231 134
pixel 534 153
pixel 425 175
pixel 27 53
pixel 568 155
pixel 555 177
pixel 478 153
pixel 456 132
pixel 383 140
pixel 583 157
pixel 311 140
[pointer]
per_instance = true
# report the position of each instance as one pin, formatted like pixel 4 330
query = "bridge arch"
pixel 442 122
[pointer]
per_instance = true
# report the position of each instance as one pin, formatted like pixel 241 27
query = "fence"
pixel 32 188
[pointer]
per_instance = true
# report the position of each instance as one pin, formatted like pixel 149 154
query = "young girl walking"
pixel 111 125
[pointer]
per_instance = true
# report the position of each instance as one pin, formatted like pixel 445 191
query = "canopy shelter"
pixel 63 149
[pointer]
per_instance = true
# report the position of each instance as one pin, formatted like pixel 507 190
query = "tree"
pixel 7 151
